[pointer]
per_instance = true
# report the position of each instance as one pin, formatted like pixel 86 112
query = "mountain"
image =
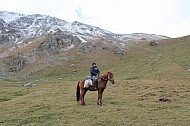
pixel 32 42
pixel 16 27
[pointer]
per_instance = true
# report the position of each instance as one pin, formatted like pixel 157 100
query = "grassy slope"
pixel 143 76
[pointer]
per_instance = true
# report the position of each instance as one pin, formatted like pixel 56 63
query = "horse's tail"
pixel 78 91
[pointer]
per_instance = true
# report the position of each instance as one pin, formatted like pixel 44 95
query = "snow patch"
pixel 10 16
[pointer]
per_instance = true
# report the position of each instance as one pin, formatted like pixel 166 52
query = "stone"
pixel 119 51
pixel 153 43
pixel 29 84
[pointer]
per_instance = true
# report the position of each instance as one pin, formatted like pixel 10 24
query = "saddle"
pixel 89 82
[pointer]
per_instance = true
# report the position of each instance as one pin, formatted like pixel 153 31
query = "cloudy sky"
pixel 164 17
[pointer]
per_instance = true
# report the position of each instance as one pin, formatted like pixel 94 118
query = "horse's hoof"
pixel 99 104
pixel 83 104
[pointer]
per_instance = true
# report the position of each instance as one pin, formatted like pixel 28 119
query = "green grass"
pixel 130 102
pixel 143 76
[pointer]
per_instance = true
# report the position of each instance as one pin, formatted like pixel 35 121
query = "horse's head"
pixel 110 77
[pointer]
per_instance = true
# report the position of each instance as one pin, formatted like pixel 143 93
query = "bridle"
pixel 108 79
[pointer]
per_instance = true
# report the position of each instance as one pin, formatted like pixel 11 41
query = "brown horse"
pixel 102 81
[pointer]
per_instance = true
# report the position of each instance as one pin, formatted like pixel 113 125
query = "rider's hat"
pixel 93 63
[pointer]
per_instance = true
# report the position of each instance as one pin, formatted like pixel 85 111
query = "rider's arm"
pixel 92 70
pixel 98 74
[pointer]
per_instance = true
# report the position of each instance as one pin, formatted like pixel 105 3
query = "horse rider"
pixel 94 73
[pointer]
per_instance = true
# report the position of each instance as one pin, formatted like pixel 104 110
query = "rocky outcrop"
pixel 10 36
pixel 18 63
pixel 93 47
pixel 87 47
pixel 58 41
pixel 2 24
pixel 119 51
pixel 153 43
pixel 26 84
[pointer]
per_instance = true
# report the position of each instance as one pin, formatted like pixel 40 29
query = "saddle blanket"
pixel 87 83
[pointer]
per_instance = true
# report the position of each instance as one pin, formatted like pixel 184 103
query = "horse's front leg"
pixel 100 93
pixel 98 102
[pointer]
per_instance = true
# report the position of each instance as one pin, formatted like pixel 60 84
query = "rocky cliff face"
pixel 58 41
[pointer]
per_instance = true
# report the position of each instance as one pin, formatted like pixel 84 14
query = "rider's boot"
pixel 95 85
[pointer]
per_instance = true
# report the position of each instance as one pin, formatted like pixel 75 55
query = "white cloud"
pixel 147 16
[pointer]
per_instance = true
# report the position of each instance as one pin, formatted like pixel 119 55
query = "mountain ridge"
pixel 32 26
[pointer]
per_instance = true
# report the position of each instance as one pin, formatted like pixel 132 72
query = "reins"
pixel 106 79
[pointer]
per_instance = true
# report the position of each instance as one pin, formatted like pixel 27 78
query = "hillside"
pixel 58 50
pixel 169 60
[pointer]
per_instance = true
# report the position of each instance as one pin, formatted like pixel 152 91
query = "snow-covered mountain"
pixel 17 28
pixel 10 16
pixel 30 43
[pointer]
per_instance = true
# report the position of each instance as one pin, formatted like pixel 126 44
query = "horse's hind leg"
pixel 82 96
pixel 99 94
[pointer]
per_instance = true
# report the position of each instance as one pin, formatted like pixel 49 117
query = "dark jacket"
pixel 94 71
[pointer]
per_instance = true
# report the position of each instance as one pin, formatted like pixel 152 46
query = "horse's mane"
pixel 103 76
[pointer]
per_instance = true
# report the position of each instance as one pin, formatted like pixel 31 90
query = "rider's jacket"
pixel 94 71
